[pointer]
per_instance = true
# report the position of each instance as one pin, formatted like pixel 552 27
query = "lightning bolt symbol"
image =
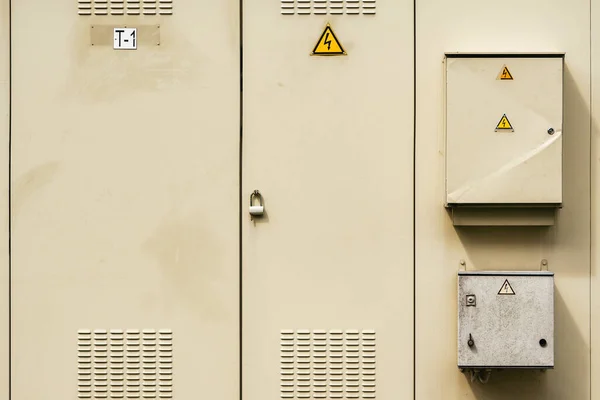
pixel 327 41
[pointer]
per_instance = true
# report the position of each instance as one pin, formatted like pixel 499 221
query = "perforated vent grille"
pixel 122 7
pixel 322 7
pixel 125 364
pixel 328 364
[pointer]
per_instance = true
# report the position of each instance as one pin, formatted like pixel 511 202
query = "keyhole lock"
pixel 257 207
pixel 471 342
pixel 471 300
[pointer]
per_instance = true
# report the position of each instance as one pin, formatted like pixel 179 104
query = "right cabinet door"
pixel 327 276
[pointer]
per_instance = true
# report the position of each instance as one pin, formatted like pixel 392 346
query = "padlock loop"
pixel 256 194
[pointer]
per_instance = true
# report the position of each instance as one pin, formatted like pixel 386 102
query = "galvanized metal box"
pixel 505 320
pixel 504 117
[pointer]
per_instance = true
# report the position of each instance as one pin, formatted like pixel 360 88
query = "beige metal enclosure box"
pixel 504 129
pixel 506 319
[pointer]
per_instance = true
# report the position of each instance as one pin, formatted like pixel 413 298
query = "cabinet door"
pixel 125 182
pixel 509 124
pixel 328 142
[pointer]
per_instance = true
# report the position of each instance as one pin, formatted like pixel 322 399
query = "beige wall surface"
pixel 511 26
pixel 4 149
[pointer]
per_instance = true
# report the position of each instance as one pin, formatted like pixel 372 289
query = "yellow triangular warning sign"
pixel 506 288
pixel 504 124
pixel 505 74
pixel 328 44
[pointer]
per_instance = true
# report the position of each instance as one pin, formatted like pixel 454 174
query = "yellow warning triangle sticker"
pixel 328 44
pixel 505 74
pixel 504 124
pixel 506 288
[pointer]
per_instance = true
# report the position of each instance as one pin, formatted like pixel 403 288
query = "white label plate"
pixel 125 39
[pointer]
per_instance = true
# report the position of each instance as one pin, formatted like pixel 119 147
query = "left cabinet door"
pixel 124 189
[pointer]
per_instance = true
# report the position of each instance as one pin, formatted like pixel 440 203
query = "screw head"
pixel 550 131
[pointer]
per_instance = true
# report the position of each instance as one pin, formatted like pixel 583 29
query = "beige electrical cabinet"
pixel 125 210
pixel 137 272
pixel 504 117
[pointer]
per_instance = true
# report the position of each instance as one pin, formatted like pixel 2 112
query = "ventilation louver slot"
pixel 333 7
pixel 331 364
pixel 125 7
pixel 85 7
pixel 120 364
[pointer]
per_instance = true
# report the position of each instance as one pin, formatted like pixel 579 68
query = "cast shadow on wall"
pixel 566 246
pixel 571 360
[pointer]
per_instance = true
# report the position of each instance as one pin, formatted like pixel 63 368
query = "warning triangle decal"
pixel 506 288
pixel 328 44
pixel 505 74
pixel 504 124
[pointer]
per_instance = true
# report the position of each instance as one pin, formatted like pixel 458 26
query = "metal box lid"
pixel 504 117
